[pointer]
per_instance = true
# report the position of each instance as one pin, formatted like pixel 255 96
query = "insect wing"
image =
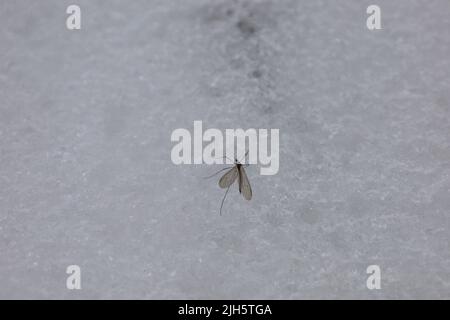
pixel 228 178
pixel 245 187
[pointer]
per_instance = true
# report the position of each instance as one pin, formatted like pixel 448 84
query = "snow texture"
pixel 86 176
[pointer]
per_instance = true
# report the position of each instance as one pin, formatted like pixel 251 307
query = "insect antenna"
pixel 228 159
pixel 245 155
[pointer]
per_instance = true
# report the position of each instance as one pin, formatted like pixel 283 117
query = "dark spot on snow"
pixel 268 110
pixel 257 74
pixel 246 27
pixel 218 12
pixel 230 12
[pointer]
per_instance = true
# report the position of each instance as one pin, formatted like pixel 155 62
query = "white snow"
pixel 85 170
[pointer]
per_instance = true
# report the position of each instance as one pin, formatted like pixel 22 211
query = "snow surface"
pixel 85 170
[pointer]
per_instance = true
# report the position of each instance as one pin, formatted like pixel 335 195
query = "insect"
pixel 237 171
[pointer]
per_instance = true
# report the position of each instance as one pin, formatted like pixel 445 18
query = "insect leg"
pixel 217 173
pixel 223 200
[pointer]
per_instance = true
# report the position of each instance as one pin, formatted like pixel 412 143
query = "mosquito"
pixel 237 171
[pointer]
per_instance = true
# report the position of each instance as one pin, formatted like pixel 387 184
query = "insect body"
pixel 236 172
